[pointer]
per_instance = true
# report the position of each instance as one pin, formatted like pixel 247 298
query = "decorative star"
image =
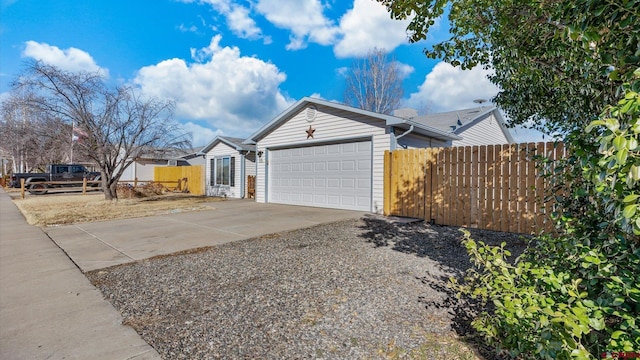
pixel 310 132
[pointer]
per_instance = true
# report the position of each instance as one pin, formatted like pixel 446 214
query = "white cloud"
pixel 233 93
pixel 365 26
pixel 184 28
pixel 368 26
pixel 71 59
pixel 238 18
pixel 405 69
pixel 342 71
pixel 304 18
pixel 201 135
pixel 241 24
pixel 448 88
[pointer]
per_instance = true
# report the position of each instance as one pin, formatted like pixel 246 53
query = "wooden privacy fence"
pixel 170 175
pixel 495 187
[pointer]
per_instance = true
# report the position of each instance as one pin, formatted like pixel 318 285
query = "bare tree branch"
pixel 119 124
pixel 374 83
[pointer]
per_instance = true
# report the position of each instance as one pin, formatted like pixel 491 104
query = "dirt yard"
pixel 58 209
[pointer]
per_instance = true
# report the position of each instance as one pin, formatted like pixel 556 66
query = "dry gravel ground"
pixel 357 289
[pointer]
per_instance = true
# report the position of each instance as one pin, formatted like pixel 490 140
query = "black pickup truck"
pixel 38 183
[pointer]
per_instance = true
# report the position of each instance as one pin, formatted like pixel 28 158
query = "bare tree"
pixel 118 125
pixel 32 138
pixel 374 83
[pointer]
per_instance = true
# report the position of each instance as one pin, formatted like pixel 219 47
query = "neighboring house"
pixel 325 154
pixel 191 158
pixel 228 163
pixel 477 126
pixel 143 167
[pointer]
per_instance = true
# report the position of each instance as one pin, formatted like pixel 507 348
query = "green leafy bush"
pixel 574 294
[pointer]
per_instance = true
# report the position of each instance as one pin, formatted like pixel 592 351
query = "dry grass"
pixel 70 209
pixel 444 347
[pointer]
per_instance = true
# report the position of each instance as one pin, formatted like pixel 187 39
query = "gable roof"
pixel 458 120
pixel 388 119
pixel 234 142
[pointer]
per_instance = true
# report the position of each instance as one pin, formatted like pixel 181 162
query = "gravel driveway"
pixel 354 289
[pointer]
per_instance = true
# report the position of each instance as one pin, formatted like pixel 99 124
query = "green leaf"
pixel 629 211
pixel 594 124
pixel 617 301
pixel 619 142
pixel 616 334
pixel 580 354
pixel 630 198
pixel 612 124
pixel 597 324
pixel 621 156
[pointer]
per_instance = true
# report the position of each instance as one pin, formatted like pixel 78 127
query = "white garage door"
pixel 333 176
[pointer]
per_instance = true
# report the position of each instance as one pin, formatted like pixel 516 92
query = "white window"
pixel 223 171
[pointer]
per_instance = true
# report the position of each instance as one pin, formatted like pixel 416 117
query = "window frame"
pixel 222 171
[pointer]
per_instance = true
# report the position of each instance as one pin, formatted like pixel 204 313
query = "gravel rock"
pixel 346 290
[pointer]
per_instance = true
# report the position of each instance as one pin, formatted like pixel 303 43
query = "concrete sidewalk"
pixel 48 308
pixel 102 244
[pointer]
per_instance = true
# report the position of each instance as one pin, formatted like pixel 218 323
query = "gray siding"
pixel 486 131
pixel 250 164
pixel 416 141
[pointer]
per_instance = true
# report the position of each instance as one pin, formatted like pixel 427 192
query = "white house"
pixel 143 167
pixel 477 126
pixel 228 163
pixel 325 154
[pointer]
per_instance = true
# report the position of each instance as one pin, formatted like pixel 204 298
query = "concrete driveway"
pixel 102 244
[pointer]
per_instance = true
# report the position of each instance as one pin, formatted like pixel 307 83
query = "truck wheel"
pixel 38 189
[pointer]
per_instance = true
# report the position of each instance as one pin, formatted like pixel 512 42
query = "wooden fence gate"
pixel 495 187
pixel 170 175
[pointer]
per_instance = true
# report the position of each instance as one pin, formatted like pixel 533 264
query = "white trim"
pixel 321 142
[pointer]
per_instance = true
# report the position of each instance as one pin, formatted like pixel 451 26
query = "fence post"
pixel 84 186
pixel 135 182
pixel 386 198
pixel 22 188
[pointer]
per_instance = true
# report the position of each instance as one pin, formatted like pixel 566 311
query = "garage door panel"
pixel 333 200
pixel 364 201
pixel 333 175
pixel 364 164
pixel 333 165
pixel 348 148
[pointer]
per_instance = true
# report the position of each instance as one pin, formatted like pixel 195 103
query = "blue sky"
pixel 230 65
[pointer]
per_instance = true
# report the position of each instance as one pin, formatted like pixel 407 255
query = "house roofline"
pixel 221 139
pixel 499 118
pixel 503 126
pixel 388 119
pixel 425 130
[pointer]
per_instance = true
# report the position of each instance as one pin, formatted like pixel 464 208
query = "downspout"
pixel 255 183
pixel 242 179
pixel 395 143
